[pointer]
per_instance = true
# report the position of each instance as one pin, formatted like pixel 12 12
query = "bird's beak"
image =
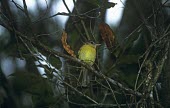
pixel 97 45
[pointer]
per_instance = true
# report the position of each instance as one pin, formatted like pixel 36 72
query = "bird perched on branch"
pixel 87 54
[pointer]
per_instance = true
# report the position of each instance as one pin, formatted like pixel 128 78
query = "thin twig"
pixel 82 22
pixel 98 74
pixel 113 94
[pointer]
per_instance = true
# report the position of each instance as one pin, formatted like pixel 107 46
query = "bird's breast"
pixel 87 54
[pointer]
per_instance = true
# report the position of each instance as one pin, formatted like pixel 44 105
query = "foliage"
pixel 127 77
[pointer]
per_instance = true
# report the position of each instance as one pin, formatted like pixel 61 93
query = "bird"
pixel 87 54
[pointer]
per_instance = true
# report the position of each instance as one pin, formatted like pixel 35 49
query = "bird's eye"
pixel 92 42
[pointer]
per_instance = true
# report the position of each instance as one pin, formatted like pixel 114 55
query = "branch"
pixel 97 73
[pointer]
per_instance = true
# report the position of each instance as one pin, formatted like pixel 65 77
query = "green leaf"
pixel 100 2
pixel 23 80
pixel 129 59
pixel 30 82
pixel 55 61
pixel 109 5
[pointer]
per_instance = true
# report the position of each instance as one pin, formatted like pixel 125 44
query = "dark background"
pixel 36 71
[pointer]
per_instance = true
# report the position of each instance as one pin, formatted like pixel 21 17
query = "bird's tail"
pixel 85 78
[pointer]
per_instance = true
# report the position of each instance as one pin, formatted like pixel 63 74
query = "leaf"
pixel 65 45
pixel 107 35
pixel 129 59
pixel 30 82
pixel 54 61
pixel 100 2
pixel 110 4
pixel 24 80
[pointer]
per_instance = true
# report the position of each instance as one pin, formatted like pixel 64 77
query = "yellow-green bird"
pixel 87 54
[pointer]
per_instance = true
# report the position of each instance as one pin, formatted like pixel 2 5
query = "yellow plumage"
pixel 87 53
